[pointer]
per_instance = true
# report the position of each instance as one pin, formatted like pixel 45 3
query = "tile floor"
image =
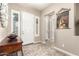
pixel 40 50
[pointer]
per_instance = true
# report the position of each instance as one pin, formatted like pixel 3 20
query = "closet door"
pixel 27 27
pixel 53 27
pixel 49 27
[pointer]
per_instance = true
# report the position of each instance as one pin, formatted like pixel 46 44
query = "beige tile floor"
pixel 40 50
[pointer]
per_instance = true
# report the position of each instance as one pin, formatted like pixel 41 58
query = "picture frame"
pixel 63 18
pixel 3 15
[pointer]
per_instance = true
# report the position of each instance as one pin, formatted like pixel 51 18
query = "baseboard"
pixel 27 44
pixel 32 43
pixel 63 51
pixel 37 43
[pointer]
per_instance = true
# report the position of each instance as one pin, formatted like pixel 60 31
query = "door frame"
pixel 19 21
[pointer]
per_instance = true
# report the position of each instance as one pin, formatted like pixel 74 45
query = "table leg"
pixel 22 52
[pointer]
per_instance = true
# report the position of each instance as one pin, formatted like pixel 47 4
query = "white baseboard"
pixel 32 43
pixel 63 51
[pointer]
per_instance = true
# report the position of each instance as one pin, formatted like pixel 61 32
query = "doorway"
pixel 27 27
pixel 50 27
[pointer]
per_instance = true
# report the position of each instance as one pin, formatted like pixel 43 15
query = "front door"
pixel 27 27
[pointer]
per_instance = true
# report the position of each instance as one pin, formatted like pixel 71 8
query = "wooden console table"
pixel 12 47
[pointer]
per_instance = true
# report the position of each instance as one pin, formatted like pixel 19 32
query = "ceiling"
pixel 38 6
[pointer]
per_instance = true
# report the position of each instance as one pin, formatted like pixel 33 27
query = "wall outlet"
pixel 62 45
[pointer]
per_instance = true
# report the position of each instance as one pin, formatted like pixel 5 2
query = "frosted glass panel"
pixel 46 27
pixel 37 25
pixel 15 23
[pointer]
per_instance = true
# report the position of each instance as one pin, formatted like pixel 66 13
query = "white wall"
pixel 63 36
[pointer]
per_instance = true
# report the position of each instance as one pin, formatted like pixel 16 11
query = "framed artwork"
pixel 63 18
pixel 3 15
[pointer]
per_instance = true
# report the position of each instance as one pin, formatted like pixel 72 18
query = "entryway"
pixel 25 25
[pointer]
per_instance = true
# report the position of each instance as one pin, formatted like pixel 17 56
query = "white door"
pixel 52 27
pixel 27 27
